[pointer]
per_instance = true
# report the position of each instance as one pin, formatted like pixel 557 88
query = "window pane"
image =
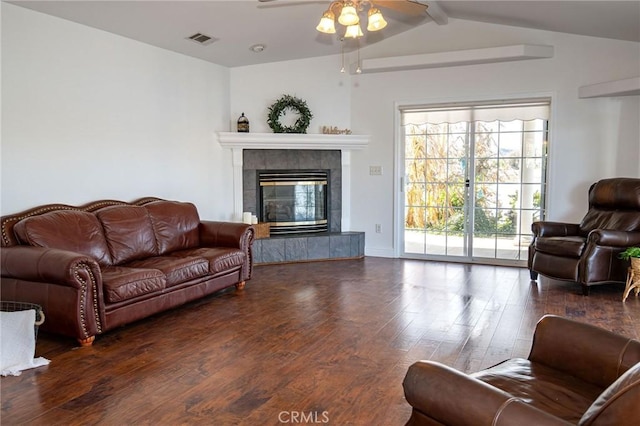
pixel 486 145
pixel 509 170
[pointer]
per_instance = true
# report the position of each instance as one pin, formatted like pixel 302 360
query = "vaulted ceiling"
pixel 286 28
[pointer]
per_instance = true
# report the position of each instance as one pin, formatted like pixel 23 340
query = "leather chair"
pixel 576 373
pixel 587 253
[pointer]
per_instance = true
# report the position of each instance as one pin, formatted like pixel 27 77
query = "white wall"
pixel 590 138
pixel 88 115
pixel 317 81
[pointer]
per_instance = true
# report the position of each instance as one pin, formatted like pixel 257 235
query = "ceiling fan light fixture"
pixel 353 31
pixel 327 23
pixel 349 14
pixel 376 21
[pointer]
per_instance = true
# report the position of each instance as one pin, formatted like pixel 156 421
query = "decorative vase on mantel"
pixel 243 124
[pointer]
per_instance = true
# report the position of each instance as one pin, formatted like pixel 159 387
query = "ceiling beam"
pixel 408 7
pixel 434 11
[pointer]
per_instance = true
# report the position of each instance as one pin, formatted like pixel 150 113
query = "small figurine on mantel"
pixel 243 124
pixel 335 131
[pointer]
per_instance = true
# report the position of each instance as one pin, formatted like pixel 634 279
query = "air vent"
pixel 201 39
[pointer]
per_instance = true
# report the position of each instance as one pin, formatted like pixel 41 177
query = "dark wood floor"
pixel 330 340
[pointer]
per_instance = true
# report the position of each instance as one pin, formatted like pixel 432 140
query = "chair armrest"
pixel 608 237
pixel 226 234
pixel 450 397
pixel 554 229
pixel 68 285
pixel 582 350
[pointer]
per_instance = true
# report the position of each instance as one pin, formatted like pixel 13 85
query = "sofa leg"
pixel 87 342
pixel 585 290
pixel 533 274
pixel 240 285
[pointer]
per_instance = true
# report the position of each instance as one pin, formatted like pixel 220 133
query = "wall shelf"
pixel 490 55
pixel 626 87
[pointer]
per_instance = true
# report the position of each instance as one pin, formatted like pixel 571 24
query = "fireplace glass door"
pixel 294 201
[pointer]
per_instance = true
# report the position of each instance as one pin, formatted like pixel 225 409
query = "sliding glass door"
pixel 474 180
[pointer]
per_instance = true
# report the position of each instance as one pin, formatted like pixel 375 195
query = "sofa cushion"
pixel 122 283
pixel 175 225
pixel 546 388
pixel 220 259
pixel 128 232
pixel 176 269
pixel 71 230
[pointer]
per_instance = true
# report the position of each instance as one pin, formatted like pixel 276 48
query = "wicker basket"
pixel 635 265
pixel 23 306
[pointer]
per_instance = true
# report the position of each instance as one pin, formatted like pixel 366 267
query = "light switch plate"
pixel 375 170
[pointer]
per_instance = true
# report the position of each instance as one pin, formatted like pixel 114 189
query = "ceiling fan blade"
pixel 407 7
pixel 282 3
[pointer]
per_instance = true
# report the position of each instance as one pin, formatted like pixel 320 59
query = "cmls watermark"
pixel 302 417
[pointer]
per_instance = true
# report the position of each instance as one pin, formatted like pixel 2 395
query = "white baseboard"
pixel 378 252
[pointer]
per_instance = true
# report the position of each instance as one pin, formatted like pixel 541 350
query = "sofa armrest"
pixel 44 264
pixel 585 351
pixel 608 237
pixel 226 234
pixel 233 235
pixel 447 396
pixel 554 229
pixel 68 285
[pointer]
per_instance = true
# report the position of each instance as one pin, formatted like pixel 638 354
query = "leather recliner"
pixel 576 373
pixel 587 253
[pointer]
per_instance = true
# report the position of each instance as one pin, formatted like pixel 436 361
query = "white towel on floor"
pixel 18 342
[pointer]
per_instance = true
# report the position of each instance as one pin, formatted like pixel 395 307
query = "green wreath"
pixel 289 102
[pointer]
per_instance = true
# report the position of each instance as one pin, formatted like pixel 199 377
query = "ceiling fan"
pixel 346 13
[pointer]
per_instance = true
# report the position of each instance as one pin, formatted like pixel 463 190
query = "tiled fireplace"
pixel 254 152
pixel 257 160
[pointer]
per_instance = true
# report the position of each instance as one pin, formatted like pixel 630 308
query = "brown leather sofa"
pixel 575 374
pixel 587 252
pixel 108 263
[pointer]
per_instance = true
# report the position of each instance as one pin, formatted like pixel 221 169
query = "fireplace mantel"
pixel 237 142
pixel 292 141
